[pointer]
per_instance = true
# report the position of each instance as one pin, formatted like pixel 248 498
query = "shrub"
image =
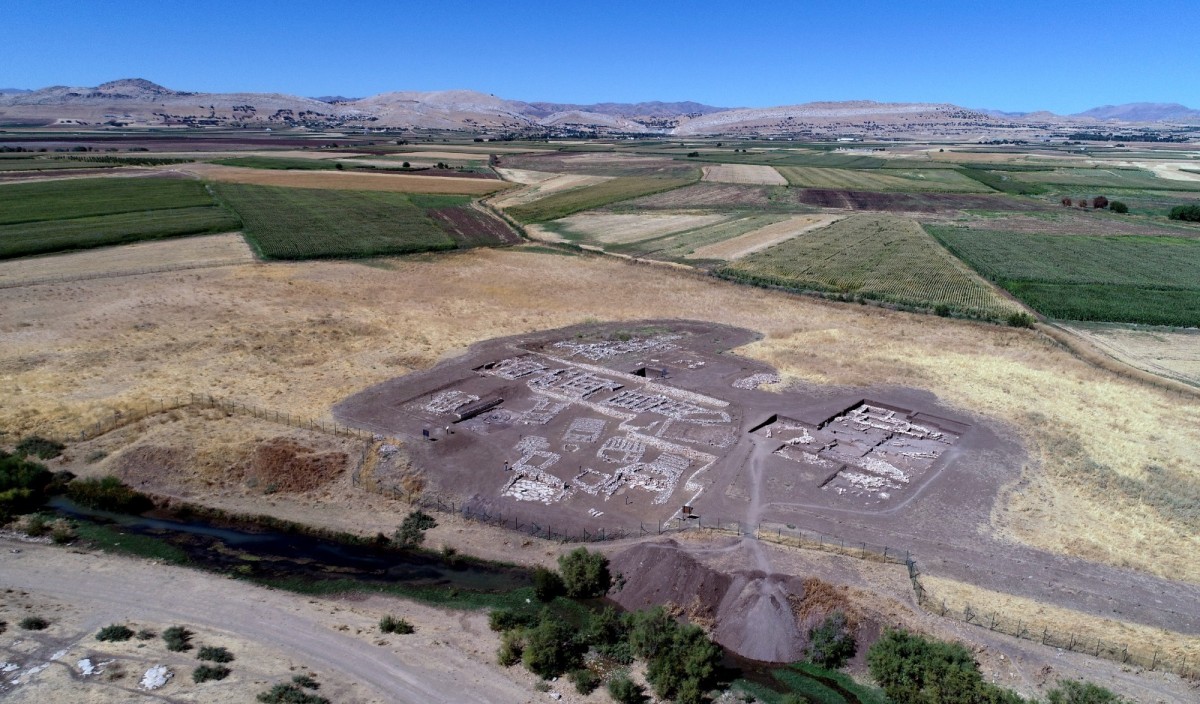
pixel 1099 202
pixel 36 526
pixel 1071 692
pixel 831 644
pixel 585 680
pixel 205 673
pixel 146 634
pixel 512 646
pixel 390 624
pixel 1118 207
pixel 910 668
pixel 34 623
pixel 306 681
pixel 289 694
pixel 214 653
pixel 412 531
pixel 625 691
pixel 108 494
pixel 608 628
pixel 114 633
pixel 584 574
pixel 547 584
pixel 178 639
pixel 550 648
pixel 1020 319
pixel 3 626
pixel 40 447
pixel 1187 213
pixel 18 473
pixel 680 660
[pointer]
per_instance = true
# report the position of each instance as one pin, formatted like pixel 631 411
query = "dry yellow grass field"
pixel 753 174
pixel 620 228
pixel 762 238
pixel 182 253
pixel 1013 611
pixel 398 183
pixel 303 336
pixel 540 188
pixel 1167 352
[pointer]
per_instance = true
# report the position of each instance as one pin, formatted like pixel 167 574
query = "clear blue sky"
pixel 1004 54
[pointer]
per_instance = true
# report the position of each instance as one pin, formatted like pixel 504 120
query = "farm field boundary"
pixel 560 205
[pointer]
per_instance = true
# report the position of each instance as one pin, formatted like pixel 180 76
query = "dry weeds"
pixel 303 336
pixel 541 188
pixel 621 228
pixel 1168 352
pixel 1015 612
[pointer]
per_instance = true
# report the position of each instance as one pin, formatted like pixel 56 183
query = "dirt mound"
pixel 145 466
pixel 756 615
pixel 283 464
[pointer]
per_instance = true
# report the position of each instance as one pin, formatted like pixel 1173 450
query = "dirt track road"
pixel 112 588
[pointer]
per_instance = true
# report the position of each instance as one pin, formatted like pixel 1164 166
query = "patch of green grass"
pixel 437 596
pixel 914 180
pixel 64 200
pixel 877 257
pixel 44 237
pixel 1130 279
pixel 301 223
pixel 1004 182
pixel 562 204
pixel 110 538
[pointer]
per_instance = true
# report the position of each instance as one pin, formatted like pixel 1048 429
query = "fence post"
pixel 1154 661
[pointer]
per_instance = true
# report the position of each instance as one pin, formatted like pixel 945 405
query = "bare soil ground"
pixel 620 228
pixel 743 173
pixel 182 253
pixel 763 238
pixel 475 227
pixel 400 183
pixel 910 202
pixel 272 634
pixel 1168 352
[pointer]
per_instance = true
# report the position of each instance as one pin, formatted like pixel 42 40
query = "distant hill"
pixel 1142 112
pixel 15 90
pixel 139 102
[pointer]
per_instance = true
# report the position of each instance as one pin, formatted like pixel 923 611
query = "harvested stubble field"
pixel 187 253
pixel 562 204
pixel 602 164
pixel 1131 279
pixel 44 217
pixel 339 180
pixel 299 223
pixel 935 180
pixel 762 238
pixel 743 173
pixel 540 185
pixel 313 333
pixel 878 257
pixel 719 196
pixel 623 228
pixel 1069 221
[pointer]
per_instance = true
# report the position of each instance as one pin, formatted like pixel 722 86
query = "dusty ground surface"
pixel 743 173
pixel 302 336
pixel 273 635
pixel 400 183
pixel 760 239
pixel 1168 352
pixel 180 253
pixel 619 228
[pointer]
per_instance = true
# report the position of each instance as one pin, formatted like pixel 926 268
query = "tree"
pixel 412 531
pixel 831 644
pixel 913 669
pixel 584 574
pixel 1067 202
pixel 625 691
pixel 1118 207
pixel 1099 202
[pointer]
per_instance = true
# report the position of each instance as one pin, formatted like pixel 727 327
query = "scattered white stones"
pixel 756 380
pixel 584 430
pixel 7 667
pixel 597 351
pixel 156 677
pixel 59 655
pixel 87 668
pixel 447 401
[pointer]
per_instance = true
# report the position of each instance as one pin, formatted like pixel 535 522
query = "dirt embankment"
pixel 760 616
